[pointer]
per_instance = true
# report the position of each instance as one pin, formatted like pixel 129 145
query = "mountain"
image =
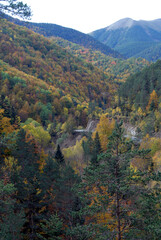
pixel 152 53
pixel 43 81
pixel 132 38
pixel 50 30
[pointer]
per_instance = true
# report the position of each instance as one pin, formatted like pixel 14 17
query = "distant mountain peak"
pixel 123 23
pixel 133 37
pixel 129 22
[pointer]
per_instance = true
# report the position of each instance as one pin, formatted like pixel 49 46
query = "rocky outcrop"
pixel 91 126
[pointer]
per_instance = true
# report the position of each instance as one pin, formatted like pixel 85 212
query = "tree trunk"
pixel 117 196
pixel 118 217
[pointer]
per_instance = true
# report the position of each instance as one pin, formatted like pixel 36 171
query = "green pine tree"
pixel 11 218
pixel 114 188
pixel 96 150
pixel 52 229
pixel 59 156
pixel 27 180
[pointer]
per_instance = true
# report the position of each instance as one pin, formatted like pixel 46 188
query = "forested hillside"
pixel 132 38
pixel 119 68
pixel 74 81
pixel 60 179
pixel 50 30
pixel 140 96
pixel 40 57
pixel 152 53
pixel 138 87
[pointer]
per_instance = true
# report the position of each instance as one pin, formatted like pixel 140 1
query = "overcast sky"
pixel 89 15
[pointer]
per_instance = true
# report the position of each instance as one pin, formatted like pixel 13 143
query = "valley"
pixel 80 124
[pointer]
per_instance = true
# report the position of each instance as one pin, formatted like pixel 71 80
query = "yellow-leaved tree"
pixel 104 129
pixel 154 156
pixel 5 124
pixel 153 101
pixel 75 156
pixel 41 136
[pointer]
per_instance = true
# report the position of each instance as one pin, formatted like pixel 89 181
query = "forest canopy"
pixel 68 168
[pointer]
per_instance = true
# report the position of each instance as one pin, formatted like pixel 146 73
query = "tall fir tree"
pixel 11 218
pixel 96 150
pixel 26 178
pixel 59 156
pixel 114 189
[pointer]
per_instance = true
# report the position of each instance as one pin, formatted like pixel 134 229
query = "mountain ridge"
pixel 131 37
pixel 50 30
pixel 45 82
pixel 129 22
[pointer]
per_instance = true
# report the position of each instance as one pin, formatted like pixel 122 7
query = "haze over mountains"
pixel 133 38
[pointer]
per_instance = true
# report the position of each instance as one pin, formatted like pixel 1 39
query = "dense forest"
pixel 80 141
pixel 53 30
pixel 118 68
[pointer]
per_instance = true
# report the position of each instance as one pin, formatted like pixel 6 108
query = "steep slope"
pixel 120 69
pixel 151 54
pixel 49 30
pixel 130 37
pixel 42 58
pixel 68 85
pixel 139 101
pixel 138 87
